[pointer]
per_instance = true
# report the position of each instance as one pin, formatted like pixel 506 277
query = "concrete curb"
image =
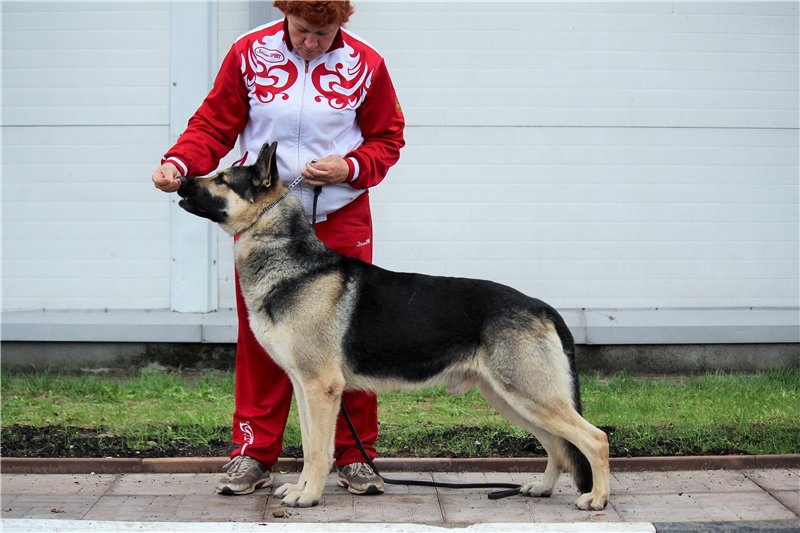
pixel 213 465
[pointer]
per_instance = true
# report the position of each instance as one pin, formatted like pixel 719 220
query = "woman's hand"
pixel 167 178
pixel 326 171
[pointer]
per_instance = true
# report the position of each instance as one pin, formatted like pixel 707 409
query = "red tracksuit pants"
pixel 263 391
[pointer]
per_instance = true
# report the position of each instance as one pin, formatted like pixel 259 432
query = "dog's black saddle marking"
pixel 413 326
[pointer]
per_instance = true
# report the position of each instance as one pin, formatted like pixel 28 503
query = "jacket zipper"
pixel 300 127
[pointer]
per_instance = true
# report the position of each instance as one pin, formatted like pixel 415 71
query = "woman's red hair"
pixel 318 13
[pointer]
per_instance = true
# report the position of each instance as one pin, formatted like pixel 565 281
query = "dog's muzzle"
pixel 187 188
pixel 198 201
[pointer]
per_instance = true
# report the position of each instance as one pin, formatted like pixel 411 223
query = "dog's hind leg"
pixel 320 398
pixel 560 419
pixel 591 442
pixel 530 371
pixel 553 445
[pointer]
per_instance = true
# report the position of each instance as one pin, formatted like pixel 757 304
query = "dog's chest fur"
pixel 293 288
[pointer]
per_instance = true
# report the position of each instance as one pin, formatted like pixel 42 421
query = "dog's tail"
pixel 575 462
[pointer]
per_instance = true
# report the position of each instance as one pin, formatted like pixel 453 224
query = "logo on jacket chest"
pixel 343 83
pixel 267 72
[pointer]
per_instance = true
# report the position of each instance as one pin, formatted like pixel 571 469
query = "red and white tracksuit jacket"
pixel 342 103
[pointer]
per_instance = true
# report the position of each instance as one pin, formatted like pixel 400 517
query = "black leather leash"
pixel 512 489
pixel 317 191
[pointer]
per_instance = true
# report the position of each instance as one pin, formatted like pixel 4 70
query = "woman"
pixel 325 95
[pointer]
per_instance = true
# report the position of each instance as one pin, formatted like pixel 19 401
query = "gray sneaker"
pixel 359 478
pixel 243 475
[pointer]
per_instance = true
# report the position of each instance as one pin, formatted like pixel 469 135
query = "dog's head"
pixel 235 197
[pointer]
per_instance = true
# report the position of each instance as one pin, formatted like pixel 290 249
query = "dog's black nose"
pixel 187 187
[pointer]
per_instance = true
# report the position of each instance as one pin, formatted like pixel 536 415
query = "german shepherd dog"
pixel 335 323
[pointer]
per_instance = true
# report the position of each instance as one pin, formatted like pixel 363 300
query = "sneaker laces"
pixel 358 468
pixel 239 465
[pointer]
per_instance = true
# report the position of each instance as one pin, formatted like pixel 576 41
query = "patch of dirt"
pixel 70 441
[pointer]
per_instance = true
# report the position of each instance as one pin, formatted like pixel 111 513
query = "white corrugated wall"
pixel 595 155
pixel 85 100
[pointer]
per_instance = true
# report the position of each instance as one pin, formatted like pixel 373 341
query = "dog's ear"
pixel 266 166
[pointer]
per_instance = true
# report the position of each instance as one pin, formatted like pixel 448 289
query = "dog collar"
pixel 275 202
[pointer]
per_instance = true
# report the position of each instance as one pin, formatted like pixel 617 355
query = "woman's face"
pixel 308 40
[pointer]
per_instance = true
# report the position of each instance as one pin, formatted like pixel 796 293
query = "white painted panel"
pixel 75 63
pixel 565 195
pixel 585 217
pixel 590 64
pixel 83 226
pixel 233 19
pixel 592 154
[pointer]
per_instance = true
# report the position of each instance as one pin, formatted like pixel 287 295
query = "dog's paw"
pixel 300 499
pixel 591 502
pixel 283 490
pixel 537 490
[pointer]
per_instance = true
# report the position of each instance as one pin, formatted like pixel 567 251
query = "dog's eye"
pixel 219 180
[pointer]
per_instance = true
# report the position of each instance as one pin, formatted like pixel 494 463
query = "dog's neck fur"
pixel 284 194
pixel 283 217
pixel 281 236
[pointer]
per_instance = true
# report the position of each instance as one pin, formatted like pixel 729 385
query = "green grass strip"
pixel 173 413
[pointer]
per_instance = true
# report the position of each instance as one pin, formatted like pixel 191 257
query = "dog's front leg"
pixel 320 398
pixel 285 489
